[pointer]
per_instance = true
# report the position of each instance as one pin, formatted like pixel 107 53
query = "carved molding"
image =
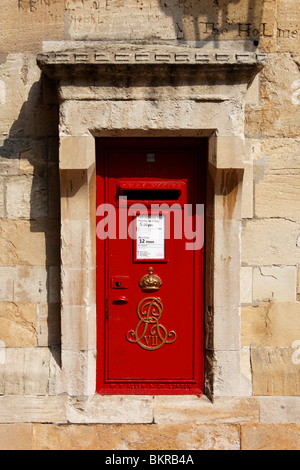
pixel 62 63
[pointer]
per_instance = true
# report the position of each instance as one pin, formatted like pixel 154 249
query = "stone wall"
pixel 34 403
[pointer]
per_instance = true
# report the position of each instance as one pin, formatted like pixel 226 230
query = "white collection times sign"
pixel 150 242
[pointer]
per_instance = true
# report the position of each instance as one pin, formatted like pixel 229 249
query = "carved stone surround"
pixel 150 55
pixel 205 99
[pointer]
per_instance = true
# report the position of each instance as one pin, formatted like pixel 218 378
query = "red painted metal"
pixel 150 342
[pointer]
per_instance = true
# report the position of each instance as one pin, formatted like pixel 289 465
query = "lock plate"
pixel 119 282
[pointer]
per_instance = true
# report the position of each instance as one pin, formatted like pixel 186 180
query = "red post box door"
pixel 150 225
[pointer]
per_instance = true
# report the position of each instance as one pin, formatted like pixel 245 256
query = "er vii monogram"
pixel 149 334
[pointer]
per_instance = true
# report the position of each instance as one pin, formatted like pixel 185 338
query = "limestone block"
pixel 76 153
pixel 25 372
pixel 111 409
pixel 54 284
pixel 277 284
pixel 18 324
pixel 7 276
pixel 226 374
pixel 30 284
pixel 227 235
pixel 21 409
pixel 274 372
pixel 74 195
pixel 9 157
pixel 223 328
pixel 278 195
pixel 136 437
pixel 226 288
pixel 79 287
pixel 247 193
pixel 48 324
pixel 228 195
pixel 79 327
pixel 279 410
pixel 271 325
pixel 227 152
pixel 77 117
pixel 79 372
pixel 288 26
pixel 34 20
pixel 12 101
pixel 252 95
pixel 246 285
pixel 34 159
pixel 34 242
pixel 268 242
pixel 193 410
pixel 56 387
pixel 282 153
pixel 76 243
pixel 26 197
pixel 270 437
pixel 298 285
pixel 278 92
pixel 15 436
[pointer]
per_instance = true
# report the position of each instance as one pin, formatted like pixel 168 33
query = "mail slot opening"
pixel 148 191
pixel 151 194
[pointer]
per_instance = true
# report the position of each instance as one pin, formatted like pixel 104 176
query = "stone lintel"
pixel 240 66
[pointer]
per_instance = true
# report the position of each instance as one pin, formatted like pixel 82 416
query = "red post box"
pixel 150 265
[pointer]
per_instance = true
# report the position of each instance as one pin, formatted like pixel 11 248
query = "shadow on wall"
pixel 215 20
pixel 30 153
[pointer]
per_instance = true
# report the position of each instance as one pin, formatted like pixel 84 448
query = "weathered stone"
pixel 30 284
pixel 184 410
pixel 7 276
pixel 274 372
pixel 26 197
pixel 18 324
pixel 270 241
pixel 223 328
pixel 288 33
pixel 247 196
pixel 33 409
pixel 278 195
pixel 48 324
pixel 279 410
pixel 15 436
pixel 246 285
pixel 33 242
pixel 274 284
pixel 76 153
pixel 77 116
pixel 79 327
pixel 270 437
pixel 79 372
pixel 111 409
pixel 25 372
pixel 270 325
pixel 136 437
pixel 34 21
pixel 277 90
pixel 281 154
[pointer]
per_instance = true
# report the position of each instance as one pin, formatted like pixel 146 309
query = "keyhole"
pixel 118 284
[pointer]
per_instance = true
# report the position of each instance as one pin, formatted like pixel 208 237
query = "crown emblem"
pixel 150 281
